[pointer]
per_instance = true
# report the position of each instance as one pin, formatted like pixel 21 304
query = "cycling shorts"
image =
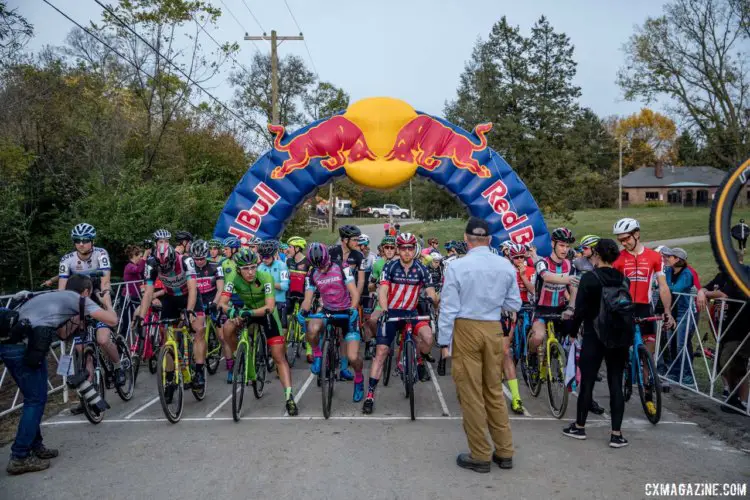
pixel 368 303
pixel 270 326
pixel 562 327
pixel 392 328
pixel 648 329
pixel 350 326
pixel 281 309
pixel 173 305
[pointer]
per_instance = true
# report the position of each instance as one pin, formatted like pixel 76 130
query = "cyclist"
pixel 256 291
pixel 583 263
pixel 215 248
pixel 434 244
pixel 253 244
pixel 398 294
pixel 278 271
pixel 338 295
pixel 231 246
pixel 388 247
pixel 284 252
pixel 436 270
pixel 298 267
pixel 84 259
pixel 210 276
pixel 554 284
pixel 641 266
pixel 450 249
pixel 184 239
pixel 161 236
pixel 177 274
pixel 369 257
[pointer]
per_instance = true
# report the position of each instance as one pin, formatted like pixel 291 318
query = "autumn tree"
pixel 648 138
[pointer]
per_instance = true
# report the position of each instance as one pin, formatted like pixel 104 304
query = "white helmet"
pixel 626 225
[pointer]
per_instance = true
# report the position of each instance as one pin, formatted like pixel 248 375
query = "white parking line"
pixel 140 409
pixel 302 391
pixel 510 398
pixel 446 413
pixel 213 412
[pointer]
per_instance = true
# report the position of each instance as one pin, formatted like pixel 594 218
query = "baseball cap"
pixel 477 227
pixel 675 252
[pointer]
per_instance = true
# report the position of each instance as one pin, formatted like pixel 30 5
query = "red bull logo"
pixel 337 139
pixel 425 140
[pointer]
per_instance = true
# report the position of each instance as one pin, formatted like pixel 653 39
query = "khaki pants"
pixel 478 373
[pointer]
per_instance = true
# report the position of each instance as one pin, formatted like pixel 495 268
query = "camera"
pixel 87 392
pixel 148 244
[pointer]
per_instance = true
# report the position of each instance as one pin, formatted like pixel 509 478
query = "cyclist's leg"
pixel 648 332
pixel 352 339
pixel 314 327
pixel 424 339
pixel 509 370
pixel 198 324
pixel 384 340
pixel 538 335
pixel 272 328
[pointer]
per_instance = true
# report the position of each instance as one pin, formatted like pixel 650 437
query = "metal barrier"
pixel 702 374
pixel 121 303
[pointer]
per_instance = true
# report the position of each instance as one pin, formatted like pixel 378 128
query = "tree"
pixel 325 100
pixel 648 138
pixel 688 152
pixel 696 55
pixel 15 32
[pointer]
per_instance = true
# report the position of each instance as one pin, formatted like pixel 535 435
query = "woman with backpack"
pixel 609 344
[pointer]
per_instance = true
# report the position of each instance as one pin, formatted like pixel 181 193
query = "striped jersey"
pixel 404 285
pixel 551 294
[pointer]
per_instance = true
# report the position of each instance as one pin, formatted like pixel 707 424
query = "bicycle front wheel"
pixel 388 367
pixel 238 381
pixel 213 357
pixel 292 344
pixel 328 376
pixel 170 391
pixel 410 375
pixel 649 388
pixel 556 389
pixel 260 365
pixel 627 380
pixel 89 357
pixel 126 363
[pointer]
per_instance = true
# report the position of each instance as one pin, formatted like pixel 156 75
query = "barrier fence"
pixel 122 304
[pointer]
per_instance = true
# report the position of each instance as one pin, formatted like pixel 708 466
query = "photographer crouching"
pixel 25 339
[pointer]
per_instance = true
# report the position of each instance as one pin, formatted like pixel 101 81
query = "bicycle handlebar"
pixel 326 315
pixel 551 317
pixel 408 318
pixel 648 319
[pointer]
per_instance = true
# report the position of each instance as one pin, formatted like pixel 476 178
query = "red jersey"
pixel 529 272
pixel 641 270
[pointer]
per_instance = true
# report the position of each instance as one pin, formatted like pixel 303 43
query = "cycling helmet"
pixel 231 242
pixel 162 234
pixel 283 246
pixel 349 231
pixel 626 225
pixel 83 231
pixel 199 249
pixel 450 244
pixel 297 242
pixel 165 256
pixel 245 257
pixel 268 248
pixel 183 235
pixel 436 256
pixel 317 254
pixel 215 243
pixel 494 250
pixel 590 241
pixel 388 240
pixel 255 241
pixel 515 250
pixel 405 239
pixel 563 234
pixel 364 240
pixel 461 247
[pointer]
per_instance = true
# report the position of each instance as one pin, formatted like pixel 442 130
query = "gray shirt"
pixel 54 309
pixel 478 286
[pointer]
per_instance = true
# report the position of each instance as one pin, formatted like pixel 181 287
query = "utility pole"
pixel 331 205
pixel 619 182
pixel 275 42
pixel 411 202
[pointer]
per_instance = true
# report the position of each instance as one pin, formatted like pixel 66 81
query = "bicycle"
pixel 521 330
pixel 103 376
pixel 550 368
pixel 639 358
pixel 145 345
pixel 213 344
pixel 176 357
pixel 407 356
pixel 330 362
pixel 295 336
pixel 250 362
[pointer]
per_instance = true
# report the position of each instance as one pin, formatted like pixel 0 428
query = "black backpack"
pixel 8 323
pixel 614 324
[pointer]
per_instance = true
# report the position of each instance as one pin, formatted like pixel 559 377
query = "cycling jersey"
pixel 551 294
pixel 367 264
pixel 228 267
pixel 207 277
pixel 640 269
pixel 582 265
pixel 437 276
pixel 332 286
pixel 176 280
pixel 297 274
pixel 530 275
pixel 404 285
pixel 354 260
pixel 377 270
pixel 72 263
pixel 253 294
pixel 280 274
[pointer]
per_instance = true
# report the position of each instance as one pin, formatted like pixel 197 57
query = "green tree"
pixel 324 100
pixel 15 32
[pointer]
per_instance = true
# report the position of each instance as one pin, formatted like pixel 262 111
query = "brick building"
pixel 685 186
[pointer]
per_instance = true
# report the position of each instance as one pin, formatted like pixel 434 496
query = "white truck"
pixel 388 210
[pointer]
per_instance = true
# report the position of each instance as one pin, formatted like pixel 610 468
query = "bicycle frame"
pixel 519 337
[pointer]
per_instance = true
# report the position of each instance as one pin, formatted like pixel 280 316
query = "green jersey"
pixel 229 267
pixel 253 294
pixel 377 270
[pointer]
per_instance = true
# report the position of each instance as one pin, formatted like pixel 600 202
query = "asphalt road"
pixel 135 453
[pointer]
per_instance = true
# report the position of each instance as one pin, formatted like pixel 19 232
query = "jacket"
pixel 590 295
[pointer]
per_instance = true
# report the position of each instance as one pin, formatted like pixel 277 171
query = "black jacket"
pixel 589 297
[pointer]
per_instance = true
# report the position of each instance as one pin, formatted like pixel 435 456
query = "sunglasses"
pixel 248 268
pixel 389 247
pixel 79 241
pixel 198 258
pixel 519 257
pixel 410 248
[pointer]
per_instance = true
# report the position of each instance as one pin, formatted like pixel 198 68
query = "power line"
pixel 255 18
pixel 220 47
pixel 169 61
pixel 303 40
pixel 238 23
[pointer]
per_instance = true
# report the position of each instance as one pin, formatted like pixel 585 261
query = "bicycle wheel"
pixel 260 364
pixel 136 350
pixel 627 380
pixel 410 373
pixel 649 387
pixel 173 408
pixel 292 345
pixel 199 395
pixel 556 389
pixel 154 337
pixel 531 370
pixel 328 375
pixel 238 381
pixel 89 356
pixel 213 346
pixel 126 391
pixel 388 368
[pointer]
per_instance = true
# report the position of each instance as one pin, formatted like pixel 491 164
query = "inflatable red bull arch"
pixel 381 143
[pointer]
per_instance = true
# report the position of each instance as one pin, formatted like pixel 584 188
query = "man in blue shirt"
pixel 280 272
pixel 477 289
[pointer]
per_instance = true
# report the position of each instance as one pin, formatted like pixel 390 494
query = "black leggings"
pixel 592 354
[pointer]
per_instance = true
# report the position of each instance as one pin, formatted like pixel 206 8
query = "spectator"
pixel 734 343
pixel 421 241
pixel 477 289
pixel 594 350
pixel 680 281
pixel 25 356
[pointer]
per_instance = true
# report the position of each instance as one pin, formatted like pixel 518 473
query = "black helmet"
pixel 563 234
pixel 183 235
pixel 461 247
pixel 268 248
pixel 349 231
pixel 199 249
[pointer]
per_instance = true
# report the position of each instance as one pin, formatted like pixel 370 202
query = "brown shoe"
pixel 45 453
pixel 503 463
pixel 29 464
pixel 465 461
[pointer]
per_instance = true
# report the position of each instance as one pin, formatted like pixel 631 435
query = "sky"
pixel 413 50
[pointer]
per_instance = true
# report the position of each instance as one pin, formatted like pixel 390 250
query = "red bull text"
pixel 252 218
pixel 496 197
